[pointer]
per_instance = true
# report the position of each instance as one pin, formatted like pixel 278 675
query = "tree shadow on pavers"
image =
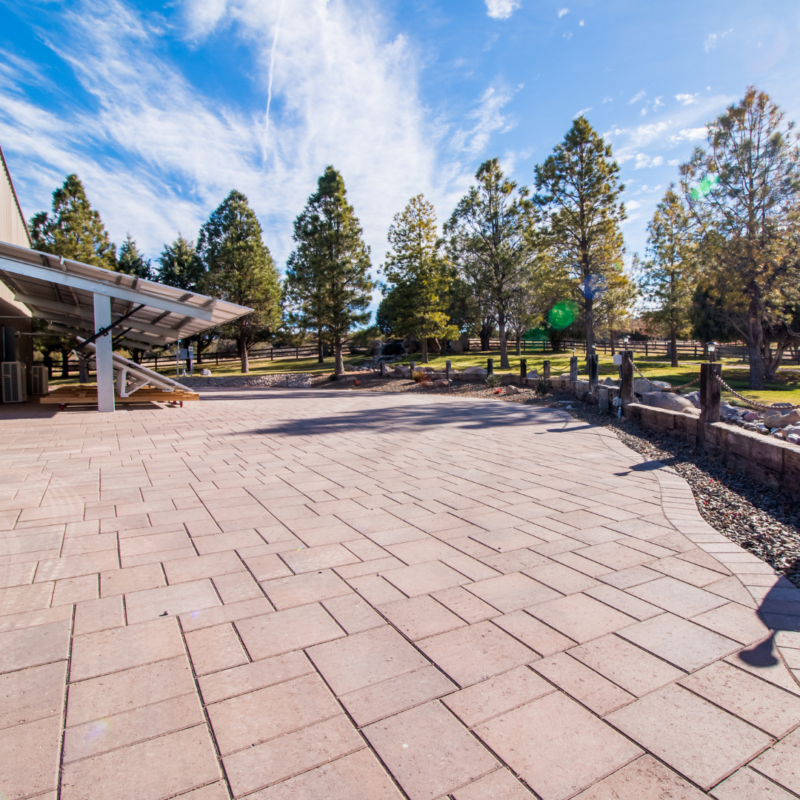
pixel 470 416
pixel 779 611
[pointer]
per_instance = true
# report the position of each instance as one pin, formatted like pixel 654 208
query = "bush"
pixel 493 381
pixel 542 387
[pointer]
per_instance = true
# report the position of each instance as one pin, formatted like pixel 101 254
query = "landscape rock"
pixel 410 345
pixel 669 402
pixel 441 384
pixel 206 373
pixel 751 416
pixel 782 420
pixel 376 347
pixel 511 389
pixel 694 398
pixel 475 372
pixel 642 387
pixel 533 375
pixel 609 382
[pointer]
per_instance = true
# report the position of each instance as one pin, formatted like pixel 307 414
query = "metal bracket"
pixel 107 330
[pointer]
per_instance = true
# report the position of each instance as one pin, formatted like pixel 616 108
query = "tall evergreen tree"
pixel 132 262
pixel 744 191
pixel 489 241
pixel 328 284
pixel 239 269
pixel 74 230
pixel 418 272
pixel 669 276
pixel 180 266
pixel 578 197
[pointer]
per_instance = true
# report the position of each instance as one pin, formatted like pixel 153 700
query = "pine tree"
pixel 239 269
pixel 74 230
pixel 180 266
pixel 580 208
pixel 668 278
pixel 327 277
pixel 132 262
pixel 418 273
pixel 489 242
pixel 744 193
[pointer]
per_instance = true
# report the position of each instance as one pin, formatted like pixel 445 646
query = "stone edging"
pixel 752 574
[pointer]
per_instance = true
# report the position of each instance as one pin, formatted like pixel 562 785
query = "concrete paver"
pixel 280 594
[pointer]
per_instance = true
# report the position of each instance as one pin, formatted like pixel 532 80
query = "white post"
pixel 104 354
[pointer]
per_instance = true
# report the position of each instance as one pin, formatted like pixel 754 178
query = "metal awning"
pixel 62 291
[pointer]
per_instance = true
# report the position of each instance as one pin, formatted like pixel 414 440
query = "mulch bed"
pixel 764 521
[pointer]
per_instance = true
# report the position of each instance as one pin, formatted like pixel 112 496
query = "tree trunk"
pixel 613 345
pixel 674 345
pixel 243 355
pixel 519 345
pixel 424 346
pixel 754 342
pixel 589 324
pixel 337 352
pixel 320 347
pixel 501 324
pixel 65 363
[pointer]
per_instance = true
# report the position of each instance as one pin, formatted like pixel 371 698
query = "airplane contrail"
pixel 271 71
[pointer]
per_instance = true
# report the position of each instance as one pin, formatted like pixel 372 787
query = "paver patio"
pixel 302 594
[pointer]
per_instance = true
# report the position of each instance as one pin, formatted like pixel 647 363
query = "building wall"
pixel 13 230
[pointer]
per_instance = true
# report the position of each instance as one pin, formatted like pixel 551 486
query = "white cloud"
pixel 157 156
pixel 657 103
pixel 489 118
pixel 690 134
pixel 713 40
pixel 581 23
pixel 632 205
pixel 657 161
pixel 501 9
pixel 568 35
pixel 637 97
pixel 643 112
pixel 686 99
pixel 562 12
pixel 608 100
pixel 582 112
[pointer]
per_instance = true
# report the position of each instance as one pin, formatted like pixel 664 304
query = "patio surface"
pixel 286 594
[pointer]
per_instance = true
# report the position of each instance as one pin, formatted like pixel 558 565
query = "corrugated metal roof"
pixel 13 226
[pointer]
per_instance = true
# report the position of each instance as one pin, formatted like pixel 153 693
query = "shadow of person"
pixel 779 611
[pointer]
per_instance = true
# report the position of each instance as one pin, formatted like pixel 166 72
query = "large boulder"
pixel 475 372
pixel 376 347
pixel 533 375
pixel 456 346
pixel 441 384
pixel 779 420
pixel 434 346
pixel 669 402
pixel 393 349
pixel 643 387
pixel 511 389
pixel 609 382
pixel 410 345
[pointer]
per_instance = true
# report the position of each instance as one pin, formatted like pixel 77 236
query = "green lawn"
pixel 787 389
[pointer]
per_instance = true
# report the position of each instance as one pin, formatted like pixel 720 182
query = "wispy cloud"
pixel 608 100
pixel 713 40
pixel 582 112
pixel 637 97
pixel 157 155
pixel 581 23
pixel 562 12
pixel 501 9
pixel 489 117
pixel 686 99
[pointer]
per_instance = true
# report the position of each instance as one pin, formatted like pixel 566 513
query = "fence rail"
pixel 651 347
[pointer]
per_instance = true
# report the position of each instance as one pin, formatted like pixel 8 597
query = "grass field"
pixel 786 389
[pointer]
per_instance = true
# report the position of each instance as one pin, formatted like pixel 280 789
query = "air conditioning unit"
pixel 39 381
pixel 14 389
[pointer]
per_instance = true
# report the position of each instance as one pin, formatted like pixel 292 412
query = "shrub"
pixel 493 381
pixel 542 387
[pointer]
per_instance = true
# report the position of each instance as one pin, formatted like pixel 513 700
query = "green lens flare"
pixel 536 335
pixel 563 314
pixel 704 187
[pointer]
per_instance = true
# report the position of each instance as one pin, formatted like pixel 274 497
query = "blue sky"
pixel 162 108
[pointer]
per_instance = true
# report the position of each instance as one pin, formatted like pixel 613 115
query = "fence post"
pixel 490 366
pixel 155 368
pixel 413 364
pixel 447 366
pixel 573 368
pixel 710 396
pixel 546 370
pixel 523 371
pixel 383 369
pixel 594 369
pixel 626 378
pixel 297 354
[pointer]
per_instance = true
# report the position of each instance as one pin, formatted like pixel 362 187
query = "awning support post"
pixel 104 354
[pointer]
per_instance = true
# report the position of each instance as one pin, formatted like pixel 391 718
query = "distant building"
pixel 14 230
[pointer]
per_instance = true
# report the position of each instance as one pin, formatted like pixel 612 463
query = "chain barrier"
pixel 753 404
pixel 673 389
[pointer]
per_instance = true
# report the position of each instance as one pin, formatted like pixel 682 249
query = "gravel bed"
pixel 294 380
pixel 762 520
